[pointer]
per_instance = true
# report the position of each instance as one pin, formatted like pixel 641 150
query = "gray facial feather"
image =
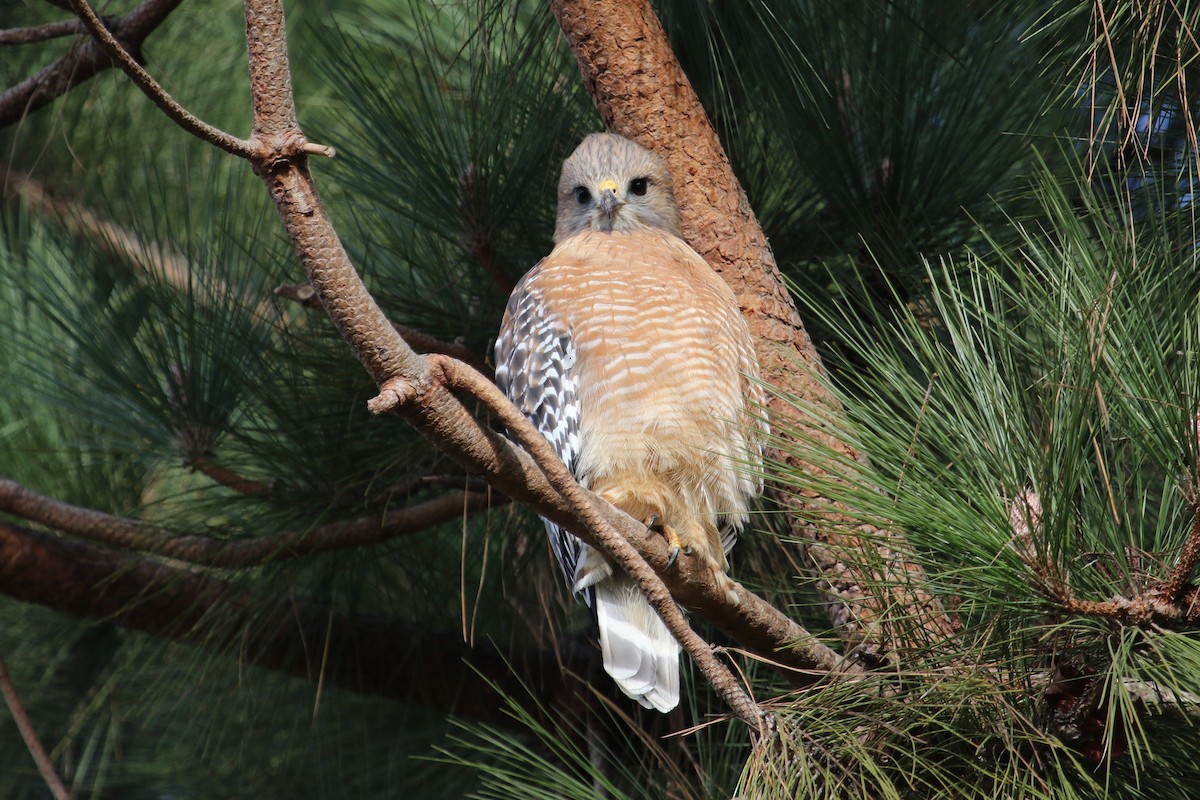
pixel 603 157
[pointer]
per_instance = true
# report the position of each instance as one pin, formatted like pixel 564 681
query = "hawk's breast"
pixel 662 354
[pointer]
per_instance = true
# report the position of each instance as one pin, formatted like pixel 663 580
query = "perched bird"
pixel 630 355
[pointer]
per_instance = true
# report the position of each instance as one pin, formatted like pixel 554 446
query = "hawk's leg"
pixel 655 523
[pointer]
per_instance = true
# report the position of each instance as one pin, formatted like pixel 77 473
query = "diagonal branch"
pixel 84 60
pixel 459 376
pixel 142 79
pixel 305 295
pixel 206 551
pixel 57 788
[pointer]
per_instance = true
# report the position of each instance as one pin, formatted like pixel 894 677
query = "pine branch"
pixel 459 376
pixel 132 534
pixel 32 742
pixel 40 33
pixel 304 294
pixel 207 465
pixel 84 60
pixel 142 79
pixel 379 656
pixel 642 93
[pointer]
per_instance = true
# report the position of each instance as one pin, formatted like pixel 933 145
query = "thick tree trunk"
pixel 637 83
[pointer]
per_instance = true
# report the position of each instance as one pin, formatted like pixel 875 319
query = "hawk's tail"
pixel 640 653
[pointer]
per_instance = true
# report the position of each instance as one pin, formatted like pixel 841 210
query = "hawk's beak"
pixel 608 201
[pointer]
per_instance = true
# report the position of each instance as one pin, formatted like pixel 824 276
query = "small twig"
pixel 151 88
pixel 41 33
pixel 205 551
pixel 55 784
pixel 314 149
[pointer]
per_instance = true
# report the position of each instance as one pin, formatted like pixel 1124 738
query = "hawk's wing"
pixel 534 367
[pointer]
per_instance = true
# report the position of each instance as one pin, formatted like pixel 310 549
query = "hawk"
pixel 630 355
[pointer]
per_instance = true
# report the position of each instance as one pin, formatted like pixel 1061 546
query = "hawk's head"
pixel 612 184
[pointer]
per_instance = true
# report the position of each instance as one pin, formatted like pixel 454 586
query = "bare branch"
pixel 375 655
pixel 84 60
pixel 314 149
pixel 40 33
pixel 150 87
pixel 208 466
pixel 55 784
pixel 206 551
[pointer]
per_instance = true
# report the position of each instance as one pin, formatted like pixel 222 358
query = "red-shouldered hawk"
pixel 630 355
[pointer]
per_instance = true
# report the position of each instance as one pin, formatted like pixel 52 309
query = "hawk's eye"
pixel 638 186
pixel 582 195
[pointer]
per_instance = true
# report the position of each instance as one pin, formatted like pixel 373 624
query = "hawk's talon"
pixel 652 523
pixel 671 561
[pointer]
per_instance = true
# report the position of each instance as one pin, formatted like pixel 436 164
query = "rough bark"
pixel 642 93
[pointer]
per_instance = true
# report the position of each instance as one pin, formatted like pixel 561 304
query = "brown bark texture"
pixel 642 93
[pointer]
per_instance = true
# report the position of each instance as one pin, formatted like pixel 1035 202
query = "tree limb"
pixel 422 342
pixel 257 551
pixel 142 79
pixel 84 60
pixel 396 660
pixel 40 33
pixel 641 92
pixel 32 742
